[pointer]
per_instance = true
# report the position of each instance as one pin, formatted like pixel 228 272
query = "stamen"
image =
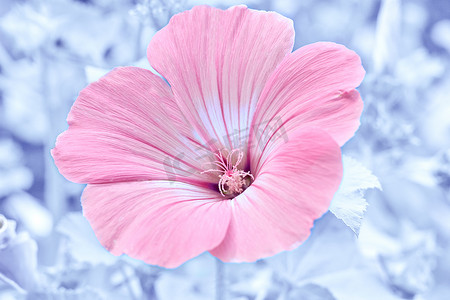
pixel 232 180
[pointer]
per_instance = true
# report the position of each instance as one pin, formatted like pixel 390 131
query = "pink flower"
pixel 238 156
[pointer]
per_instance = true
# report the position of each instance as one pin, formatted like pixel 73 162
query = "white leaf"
pixel 194 280
pixel 310 291
pixel 31 214
pixel 330 248
pixel 388 35
pixel 356 284
pixel 348 203
pixel 82 242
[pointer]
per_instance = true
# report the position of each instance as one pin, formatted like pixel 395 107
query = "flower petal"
pixel 160 222
pixel 312 87
pixel 293 188
pixel 217 63
pixel 127 127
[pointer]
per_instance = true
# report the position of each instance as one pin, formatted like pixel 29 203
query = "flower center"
pixel 232 181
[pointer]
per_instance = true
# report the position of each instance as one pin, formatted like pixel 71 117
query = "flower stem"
pixel 220 280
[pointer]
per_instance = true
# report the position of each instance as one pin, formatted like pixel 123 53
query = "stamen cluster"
pixel 232 181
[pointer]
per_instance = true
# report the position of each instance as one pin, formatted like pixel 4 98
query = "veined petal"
pixel 160 222
pixel 312 87
pixel 293 188
pixel 127 127
pixel 217 63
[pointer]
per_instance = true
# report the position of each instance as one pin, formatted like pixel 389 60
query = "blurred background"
pixel 51 49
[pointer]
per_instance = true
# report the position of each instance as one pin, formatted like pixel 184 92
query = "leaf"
pixel 388 35
pixel 194 280
pixel 18 257
pixel 330 248
pixel 348 203
pixel 82 243
pixel 310 291
pixel 328 265
pixel 356 284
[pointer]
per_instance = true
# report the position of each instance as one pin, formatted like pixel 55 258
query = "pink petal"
pixel 293 188
pixel 127 127
pixel 312 87
pixel 160 222
pixel 217 63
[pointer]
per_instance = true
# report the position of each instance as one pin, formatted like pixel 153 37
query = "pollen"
pixel 232 180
